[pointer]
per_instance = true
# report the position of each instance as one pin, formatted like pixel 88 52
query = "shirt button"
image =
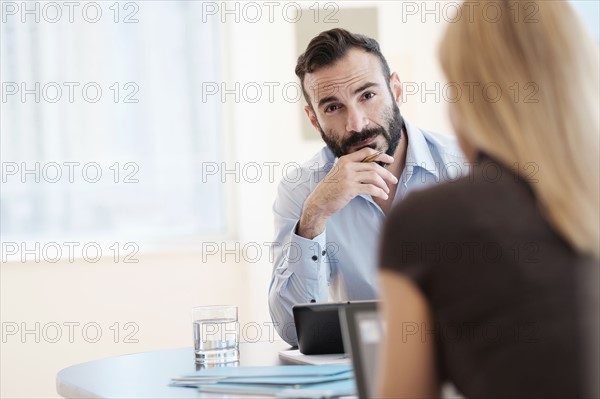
pixel 323 253
pixel 314 257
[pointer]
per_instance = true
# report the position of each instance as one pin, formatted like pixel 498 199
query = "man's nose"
pixel 356 120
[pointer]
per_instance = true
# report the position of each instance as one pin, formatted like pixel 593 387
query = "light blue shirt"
pixel 340 264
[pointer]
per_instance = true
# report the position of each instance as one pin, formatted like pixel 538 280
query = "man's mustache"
pixel 357 137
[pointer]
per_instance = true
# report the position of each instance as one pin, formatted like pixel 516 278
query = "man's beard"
pixel 392 135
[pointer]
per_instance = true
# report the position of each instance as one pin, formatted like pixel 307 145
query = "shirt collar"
pixel 418 154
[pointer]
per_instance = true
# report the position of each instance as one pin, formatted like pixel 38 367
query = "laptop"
pixel 362 333
pixel 318 326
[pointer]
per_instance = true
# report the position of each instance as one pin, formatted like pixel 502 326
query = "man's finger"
pixel 373 191
pixel 381 171
pixel 372 178
pixel 363 153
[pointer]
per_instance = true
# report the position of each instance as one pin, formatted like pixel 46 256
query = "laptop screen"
pixel 362 333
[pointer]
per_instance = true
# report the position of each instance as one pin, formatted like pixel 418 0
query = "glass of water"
pixel 216 332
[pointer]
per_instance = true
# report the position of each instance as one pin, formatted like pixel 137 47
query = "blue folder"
pixel 277 381
pixel 324 390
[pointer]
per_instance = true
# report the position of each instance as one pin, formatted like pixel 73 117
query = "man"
pixel 328 221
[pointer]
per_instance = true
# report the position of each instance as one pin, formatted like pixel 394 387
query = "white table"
pixel 147 375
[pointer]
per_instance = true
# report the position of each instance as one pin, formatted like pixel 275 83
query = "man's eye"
pixel 368 95
pixel 332 107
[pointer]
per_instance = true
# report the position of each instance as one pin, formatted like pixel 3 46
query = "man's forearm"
pixel 311 223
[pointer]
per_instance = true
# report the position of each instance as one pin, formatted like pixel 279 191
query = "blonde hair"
pixel 545 121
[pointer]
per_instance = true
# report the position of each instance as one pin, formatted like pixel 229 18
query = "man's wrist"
pixel 311 224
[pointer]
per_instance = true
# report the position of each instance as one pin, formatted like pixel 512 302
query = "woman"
pixel 491 281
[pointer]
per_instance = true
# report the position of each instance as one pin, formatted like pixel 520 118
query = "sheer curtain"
pixel 103 127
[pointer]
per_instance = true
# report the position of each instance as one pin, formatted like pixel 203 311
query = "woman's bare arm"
pixel 407 356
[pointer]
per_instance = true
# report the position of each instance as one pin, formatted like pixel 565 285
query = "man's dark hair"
pixel 332 45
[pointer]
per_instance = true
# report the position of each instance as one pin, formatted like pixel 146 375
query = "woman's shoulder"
pixel 489 194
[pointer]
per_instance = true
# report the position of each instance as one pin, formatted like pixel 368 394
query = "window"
pixel 103 128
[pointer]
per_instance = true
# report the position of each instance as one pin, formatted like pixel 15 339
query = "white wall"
pixel 156 295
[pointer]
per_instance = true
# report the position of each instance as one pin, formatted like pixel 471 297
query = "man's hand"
pixel 349 178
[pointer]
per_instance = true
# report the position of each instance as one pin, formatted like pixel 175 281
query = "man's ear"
pixel 312 117
pixel 396 87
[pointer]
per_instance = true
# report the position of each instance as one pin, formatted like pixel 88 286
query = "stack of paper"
pixel 295 356
pixel 278 381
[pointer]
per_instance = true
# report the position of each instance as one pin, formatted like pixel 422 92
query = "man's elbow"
pixel 286 329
